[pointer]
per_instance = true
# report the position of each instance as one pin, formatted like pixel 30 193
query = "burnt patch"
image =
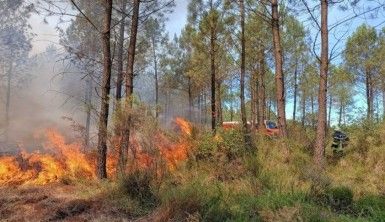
pixel 70 209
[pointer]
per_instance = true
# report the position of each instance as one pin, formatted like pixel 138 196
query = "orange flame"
pixel 65 160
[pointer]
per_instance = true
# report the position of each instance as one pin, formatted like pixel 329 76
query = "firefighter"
pixel 340 140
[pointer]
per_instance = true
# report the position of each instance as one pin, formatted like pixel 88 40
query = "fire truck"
pixel 270 127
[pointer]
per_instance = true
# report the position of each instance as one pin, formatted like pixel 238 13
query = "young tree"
pixel 105 84
pixel 359 57
pixel 243 64
pixel 340 87
pixel 155 32
pixel 279 76
pixel 258 48
pixel 123 150
pixel 120 56
pixel 319 150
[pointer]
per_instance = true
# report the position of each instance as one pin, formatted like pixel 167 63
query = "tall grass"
pixel 222 181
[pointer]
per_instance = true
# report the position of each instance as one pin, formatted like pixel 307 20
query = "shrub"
pixel 370 206
pixel 138 186
pixel 205 147
pixel 340 199
pixel 232 143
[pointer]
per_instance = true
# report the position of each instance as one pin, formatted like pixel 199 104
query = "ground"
pixel 57 202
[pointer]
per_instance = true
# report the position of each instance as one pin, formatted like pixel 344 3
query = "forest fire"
pixel 62 160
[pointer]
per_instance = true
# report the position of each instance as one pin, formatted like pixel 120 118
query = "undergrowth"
pixel 222 181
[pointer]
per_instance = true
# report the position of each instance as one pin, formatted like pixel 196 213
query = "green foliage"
pixel 139 186
pixel 196 197
pixel 232 143
pixel 340 199
pixel 224 182
pixel 370 206
pixel 205 147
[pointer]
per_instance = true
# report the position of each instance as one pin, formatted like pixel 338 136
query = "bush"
pixel 205 147
pixel 138 186
pixel 232 143
pixel 370 206
pixel 340 199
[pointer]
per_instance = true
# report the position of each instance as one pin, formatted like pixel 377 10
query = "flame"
pixel 62 160
pixel 184 125
pixel 171 152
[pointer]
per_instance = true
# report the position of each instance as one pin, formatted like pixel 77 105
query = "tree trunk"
pixel 319 151
pixel 340 114
pixel 213 78
pixel 156 77
pixel 190 99
pixel 129 86
pixel 330 110
pixel 312 112
pixel 279 78
pixel 105 84
pixel 369 95
pixel 219 104
pixel 377 108
pixel 303 110
pixel 253 100
pixel 8 100
pixel 119 79
pixel 88 110
pixel 383 103
pixel 261 90
pixel 243 69
pixel 205 108
pixel 295 91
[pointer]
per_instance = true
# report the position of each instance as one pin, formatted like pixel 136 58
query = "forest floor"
pixel 59 202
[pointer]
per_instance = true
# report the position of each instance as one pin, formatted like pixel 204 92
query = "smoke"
pixel 52 93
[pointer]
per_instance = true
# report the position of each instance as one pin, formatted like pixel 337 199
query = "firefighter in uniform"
pixel 340 140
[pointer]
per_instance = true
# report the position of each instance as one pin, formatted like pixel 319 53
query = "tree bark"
pixel 105 84
pixel 330 110
pixel 119 79
pixel 295 91
pixel 213 77
pixel 156 77
pixel 243 69
pixel 369 95
pixel 319 151
pixel 261 90
pixel 190 99
pixel 8 100
pixel 279 78
pixel 219 104
pixel 312 119
pixel 340 114
pixel 253 100
pixel 303 101
pixel 269 110
pixel 383 103
pixel 88 110
pixel 129 86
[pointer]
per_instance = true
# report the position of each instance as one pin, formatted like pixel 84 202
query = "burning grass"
pixel 220 180
pixel 60 160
